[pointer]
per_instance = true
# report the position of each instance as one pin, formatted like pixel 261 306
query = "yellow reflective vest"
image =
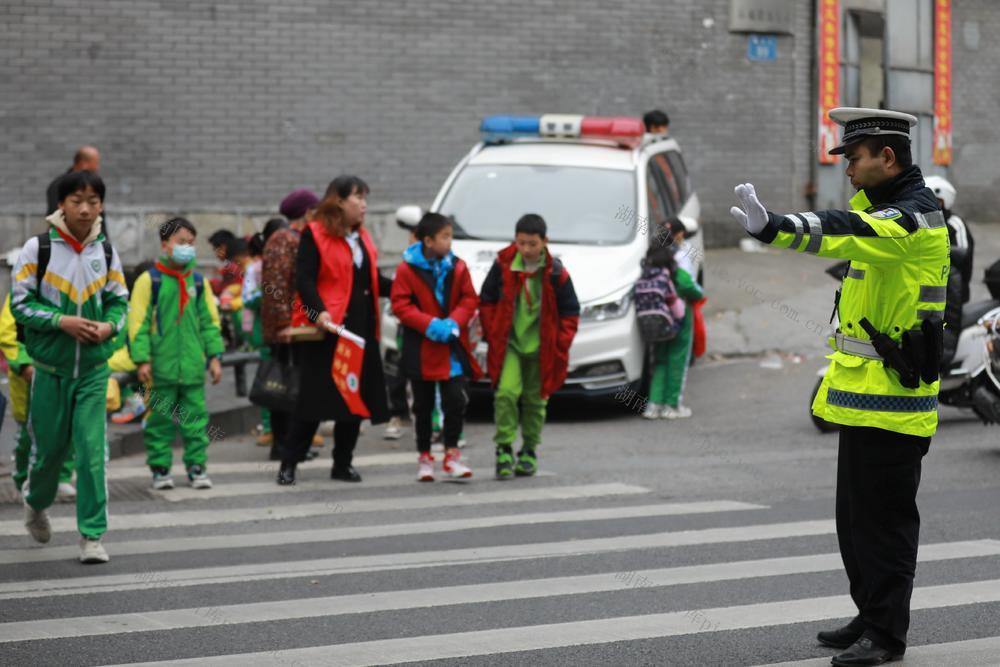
pixel 897 243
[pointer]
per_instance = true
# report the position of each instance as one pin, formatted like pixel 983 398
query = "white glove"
pixel 750 213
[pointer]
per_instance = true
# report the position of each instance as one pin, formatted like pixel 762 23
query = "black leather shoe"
pixel 865 652
pixel 842 637
pixel 348 474
pixel 309 456
pixel 286 476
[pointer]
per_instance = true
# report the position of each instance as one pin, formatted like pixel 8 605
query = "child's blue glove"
pixel 453 330
pixel 438 330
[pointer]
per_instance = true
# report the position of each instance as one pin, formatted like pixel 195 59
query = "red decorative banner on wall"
pixel 942 82
pixel 829 76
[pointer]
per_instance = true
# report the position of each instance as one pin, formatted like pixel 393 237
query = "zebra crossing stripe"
pixel 337 506
pixel 210 542
pixel 175 619
pixel 395 561
pixel 587 632
pixel 118 471
pixel 323 485
pixel 970 653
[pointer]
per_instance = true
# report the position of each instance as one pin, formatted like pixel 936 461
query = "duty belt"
pixel 855 346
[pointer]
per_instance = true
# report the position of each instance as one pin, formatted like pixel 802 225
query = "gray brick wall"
pixel 198 105
pixel 201 105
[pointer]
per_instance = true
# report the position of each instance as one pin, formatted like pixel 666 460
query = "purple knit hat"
pixel 295 205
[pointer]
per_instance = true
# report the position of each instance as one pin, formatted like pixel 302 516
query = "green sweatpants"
pixel 69 413
pixel 670 365
pixel 174 406
pixel 520 381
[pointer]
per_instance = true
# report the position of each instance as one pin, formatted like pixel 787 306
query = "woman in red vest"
pixel 338 283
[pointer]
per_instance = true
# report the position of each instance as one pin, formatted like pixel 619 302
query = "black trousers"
pixel 300 436
pixel 453 402
pixel 878 526
pixel 396 386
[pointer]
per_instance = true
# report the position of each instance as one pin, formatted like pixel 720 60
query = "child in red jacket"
pixel 529 312
pixel 433 297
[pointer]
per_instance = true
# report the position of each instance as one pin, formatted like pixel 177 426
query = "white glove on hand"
pixel 750 213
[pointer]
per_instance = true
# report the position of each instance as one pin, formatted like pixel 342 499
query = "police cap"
pixel 860 123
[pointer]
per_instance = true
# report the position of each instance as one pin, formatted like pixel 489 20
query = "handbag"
pixel 276 385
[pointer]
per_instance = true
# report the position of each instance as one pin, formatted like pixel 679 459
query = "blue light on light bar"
pixel 509 126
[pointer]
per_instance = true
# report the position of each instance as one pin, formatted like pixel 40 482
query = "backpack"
pixel 44 254
pixel 659 311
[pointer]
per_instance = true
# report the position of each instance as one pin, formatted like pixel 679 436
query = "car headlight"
pixel 607 310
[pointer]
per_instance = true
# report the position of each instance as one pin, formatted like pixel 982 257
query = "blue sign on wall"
pixel 762 48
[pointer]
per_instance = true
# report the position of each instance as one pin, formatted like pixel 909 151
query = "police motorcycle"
pixel 970 379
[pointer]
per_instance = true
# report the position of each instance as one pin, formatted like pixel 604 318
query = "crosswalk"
pixel 541 571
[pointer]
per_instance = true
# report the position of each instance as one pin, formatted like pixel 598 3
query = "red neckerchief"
pixel 180 281
pixel 526 277
pixel 68 238
pixel 527 285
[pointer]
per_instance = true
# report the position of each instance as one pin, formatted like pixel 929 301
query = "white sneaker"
pixel 680 412
pixel 198 478
pixel 92 551
pixel 393 430
pixel 162 479
pixel 653 411
pixel 66 493
pixel 37 523
pixel 425 469
pixel 454 467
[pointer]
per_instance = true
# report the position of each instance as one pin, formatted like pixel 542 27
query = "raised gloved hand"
pixel 438 330
pixel 750 213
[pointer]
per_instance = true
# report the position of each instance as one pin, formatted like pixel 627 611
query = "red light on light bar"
pixel 627 128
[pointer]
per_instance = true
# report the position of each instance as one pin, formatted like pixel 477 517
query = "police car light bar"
pixel 624 130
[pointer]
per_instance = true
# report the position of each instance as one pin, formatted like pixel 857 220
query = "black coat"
pixel 319 398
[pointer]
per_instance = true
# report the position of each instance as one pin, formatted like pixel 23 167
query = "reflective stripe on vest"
pixel 815 232
pixel 933 294
pixel 881 403
pixel 799 230
pixel 931 220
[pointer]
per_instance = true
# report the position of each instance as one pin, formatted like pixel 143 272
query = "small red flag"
pixel 348 361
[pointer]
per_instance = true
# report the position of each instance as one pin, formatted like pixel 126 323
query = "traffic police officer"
pixel 882 386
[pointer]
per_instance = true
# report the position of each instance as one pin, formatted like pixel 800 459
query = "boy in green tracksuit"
pixel 529 313
pixel 672 359
pixel 173 327
pixel 19 375
pixel 69 294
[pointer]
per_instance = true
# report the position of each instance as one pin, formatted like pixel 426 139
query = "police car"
pixel 604 188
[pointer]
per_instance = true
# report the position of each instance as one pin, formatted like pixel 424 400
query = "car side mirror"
pixel 691 225
pixel 407 217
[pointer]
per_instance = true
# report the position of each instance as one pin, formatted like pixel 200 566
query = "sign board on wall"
pixel 828 43
pixel 768 16
pixel 942 82
pixel 762 48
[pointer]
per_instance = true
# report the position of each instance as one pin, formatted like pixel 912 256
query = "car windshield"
pixel 579 204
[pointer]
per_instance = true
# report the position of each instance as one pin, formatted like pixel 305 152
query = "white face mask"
pixel 182 253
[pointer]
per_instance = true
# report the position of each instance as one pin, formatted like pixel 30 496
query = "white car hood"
pixel 597 271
